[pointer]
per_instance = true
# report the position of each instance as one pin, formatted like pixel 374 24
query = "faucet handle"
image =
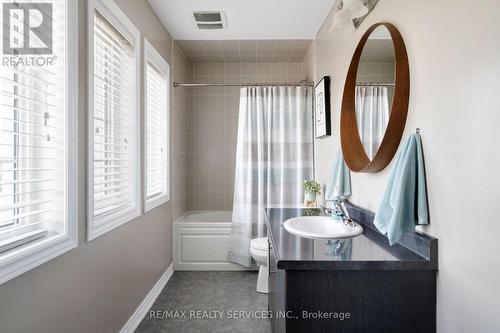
pixel 334 213
pixel 349 223
pixel 327 210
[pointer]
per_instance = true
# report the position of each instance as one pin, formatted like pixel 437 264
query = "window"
pixel 114 119
pixel 156 131
pixel 38 150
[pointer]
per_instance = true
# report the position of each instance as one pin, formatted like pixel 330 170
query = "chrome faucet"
pixel 339 211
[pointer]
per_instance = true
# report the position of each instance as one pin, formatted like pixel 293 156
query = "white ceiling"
pixel 246 19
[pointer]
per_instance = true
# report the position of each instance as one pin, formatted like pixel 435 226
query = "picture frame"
pixel 322 114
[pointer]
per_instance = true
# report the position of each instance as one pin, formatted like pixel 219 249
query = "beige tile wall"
pixel 377 72
pixel 245 51
pixel 181 71
pixel 309 63
pixel 213 126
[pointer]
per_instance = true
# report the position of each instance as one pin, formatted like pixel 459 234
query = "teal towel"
pixel 339 185
pixel 404 203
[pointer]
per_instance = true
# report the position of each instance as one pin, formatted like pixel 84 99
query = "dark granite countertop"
pixel 368 251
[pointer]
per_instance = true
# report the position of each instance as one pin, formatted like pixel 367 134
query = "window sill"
pixel 35 254
pixel 98 227
pixel 155 202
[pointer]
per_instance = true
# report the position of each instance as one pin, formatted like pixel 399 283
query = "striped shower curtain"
pixel 274 156
pixel 372 116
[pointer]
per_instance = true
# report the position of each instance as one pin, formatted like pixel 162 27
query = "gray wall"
pixel 454 51
pixel 97 286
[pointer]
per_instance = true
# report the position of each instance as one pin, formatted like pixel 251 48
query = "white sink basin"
pixel 322 227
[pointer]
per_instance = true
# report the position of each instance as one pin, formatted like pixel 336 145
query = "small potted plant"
pixel 311 212
pixel 311 189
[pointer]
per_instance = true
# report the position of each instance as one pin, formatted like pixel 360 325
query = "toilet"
pixel 259 250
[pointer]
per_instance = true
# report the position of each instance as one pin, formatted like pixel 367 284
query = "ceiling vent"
pixel 209 20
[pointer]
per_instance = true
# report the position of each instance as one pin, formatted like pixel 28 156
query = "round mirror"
pixel 375 101
pixel 375 89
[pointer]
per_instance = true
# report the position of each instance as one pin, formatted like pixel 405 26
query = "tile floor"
pixel 207 292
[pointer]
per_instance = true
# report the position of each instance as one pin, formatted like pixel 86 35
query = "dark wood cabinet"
pixel 351 301
pixel 276 296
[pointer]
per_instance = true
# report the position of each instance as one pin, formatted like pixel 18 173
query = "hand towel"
pixel 404 204
pixel 339 185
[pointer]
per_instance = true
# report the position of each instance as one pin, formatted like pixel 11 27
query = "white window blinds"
pixel 114 123
pixel 33 144
pixel 156 133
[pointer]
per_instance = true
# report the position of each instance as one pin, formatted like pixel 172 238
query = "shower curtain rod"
pixel 188 84
pixel 374 84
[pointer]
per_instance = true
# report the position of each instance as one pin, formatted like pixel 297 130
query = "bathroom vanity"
pixel 356 285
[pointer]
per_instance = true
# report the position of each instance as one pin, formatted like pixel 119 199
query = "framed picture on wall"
pixel 322 118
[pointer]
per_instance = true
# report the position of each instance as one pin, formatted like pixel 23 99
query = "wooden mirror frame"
pixel 352 148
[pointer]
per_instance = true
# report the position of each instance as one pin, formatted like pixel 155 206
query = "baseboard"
pixel 222 266
pixel 143 308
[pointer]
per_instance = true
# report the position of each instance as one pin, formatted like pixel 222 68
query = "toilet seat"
pixel 259 252
pixel 259 256
pixel 259 244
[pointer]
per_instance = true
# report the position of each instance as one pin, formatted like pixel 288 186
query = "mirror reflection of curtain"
pixel 372 116
pixel 274 156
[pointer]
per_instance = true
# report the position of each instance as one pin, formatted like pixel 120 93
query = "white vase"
pixel 310 196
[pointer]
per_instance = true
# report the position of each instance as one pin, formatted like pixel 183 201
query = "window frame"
pixel 112 12
pixel 153 56
pixel 36 253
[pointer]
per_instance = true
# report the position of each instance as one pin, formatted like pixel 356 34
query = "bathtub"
pixel 201 241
